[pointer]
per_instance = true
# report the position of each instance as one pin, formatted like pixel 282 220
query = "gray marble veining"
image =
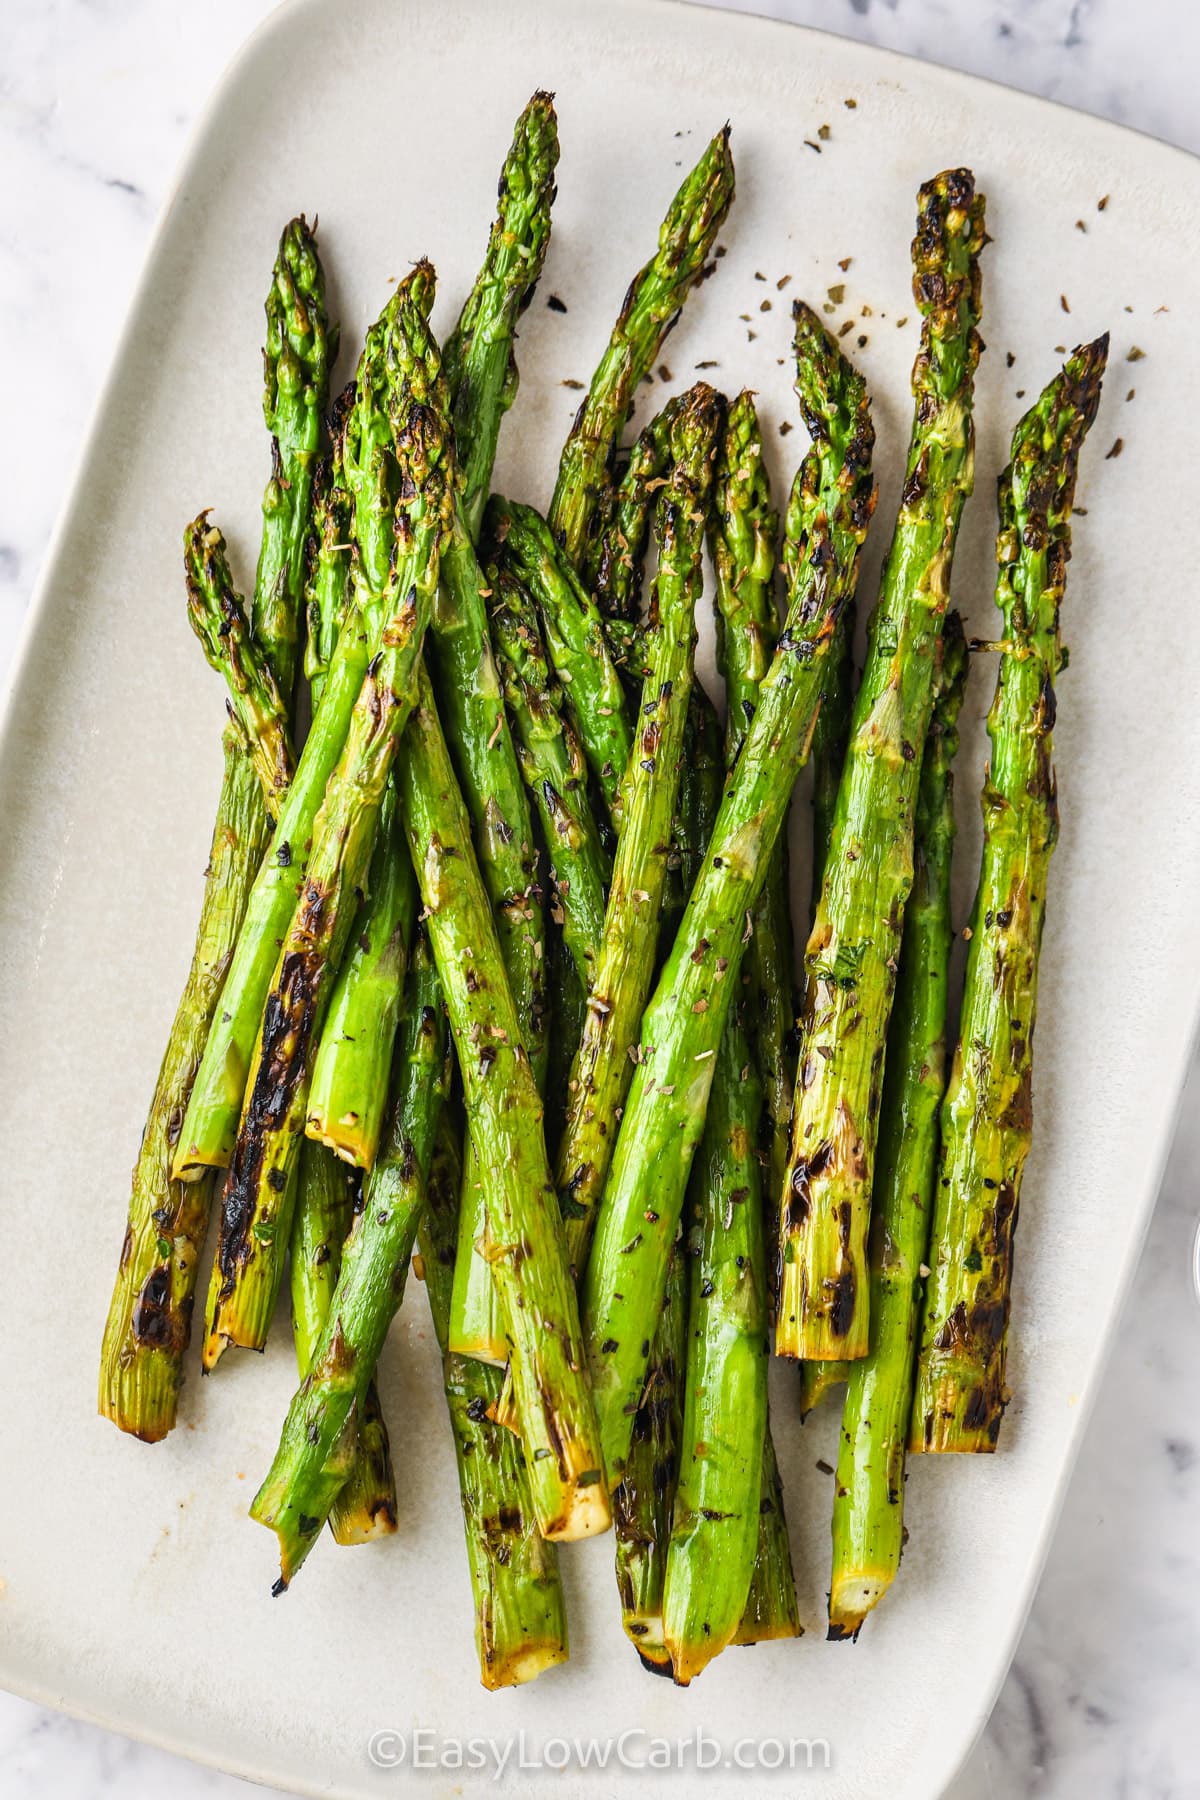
pixel 96 100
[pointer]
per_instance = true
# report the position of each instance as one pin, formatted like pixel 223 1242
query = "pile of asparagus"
pixel 493 979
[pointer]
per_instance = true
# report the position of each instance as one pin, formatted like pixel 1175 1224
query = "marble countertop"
pixel 97 98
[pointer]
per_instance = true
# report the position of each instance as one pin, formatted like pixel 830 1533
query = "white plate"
pixel 135 1590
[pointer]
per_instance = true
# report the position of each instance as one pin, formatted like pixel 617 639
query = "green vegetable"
pixel 575 638
pixel 683 1023
pixel 520 1616
pixel 328 588
pixel 317 1444
pixel 348 1096
pixel 366 1506
pixel 215 1107
pixel 987 1117
pixel 257 1205
pixel 624 968
pixel 553 765
pixel 868 1508
pixel 523 1231
pixel 150 1315
pixel 651 306
pixel 480 365
pixel 771 1611
pixel 854 947
pixel 644 1502
pixel 715 1534
pixel 218 618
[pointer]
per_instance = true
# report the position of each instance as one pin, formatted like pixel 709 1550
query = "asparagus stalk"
pixel 553 765
pixel 366 1506
pixel 300 351
pixel 644 1501
pixel 150 1315
pixel 743 532
pixel 149 1318
pixel 868 1507
pixel 520 1618
pixel 683 1023
pixel 853 950
pixel 831 740
pixel 348 1097
pixel 482 371
pixel 218 618
pixel 523 1231
pixel 575 638
pixel 259 1192
pixel 568 1002
pixel 214 1109
pixel 313 1459
pixel 624 968
pixel 715 1534
pixel 327 1195
pixel 328 588
pixel 771 1611
pixel 617 549
pixel 480 366
pixel 651 306
pixel 987 1117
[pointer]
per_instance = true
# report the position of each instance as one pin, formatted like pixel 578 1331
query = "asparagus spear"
pixel 348 1096
pixel 553 765
pixel 716 1532
pixel 149 1318
pixel 259 1192
pixel 682 1025
pixel 218 618
pixel 214 1109
pixel 644 1501
pixel 480 366
pixel 328 1194
pixel 300 351
pixel 315 1449
pixel 328 1197
pixel 617 549
pixel 624 968
pixel 831 740
pixel 520 1619
pixel 743 531
pixel 852 952
pixel 987 1117
pixel 523 1239
pixel 868 1508
pixel 771 1611
pixel 483 376
pixel 328 588
pixel 150 1315
pixel 651 306
pixel 575 638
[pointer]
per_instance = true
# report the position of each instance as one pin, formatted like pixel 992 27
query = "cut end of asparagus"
pixel 817 1381
pixel 532 1659
pixel 360 1524
pixel 343 1137
pixel 645 1632
pixel 585 1511
pixel 143 1400
pixel 687 1661
pixel 853 1594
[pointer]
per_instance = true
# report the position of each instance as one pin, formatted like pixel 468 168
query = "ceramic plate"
pixel 135 1591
